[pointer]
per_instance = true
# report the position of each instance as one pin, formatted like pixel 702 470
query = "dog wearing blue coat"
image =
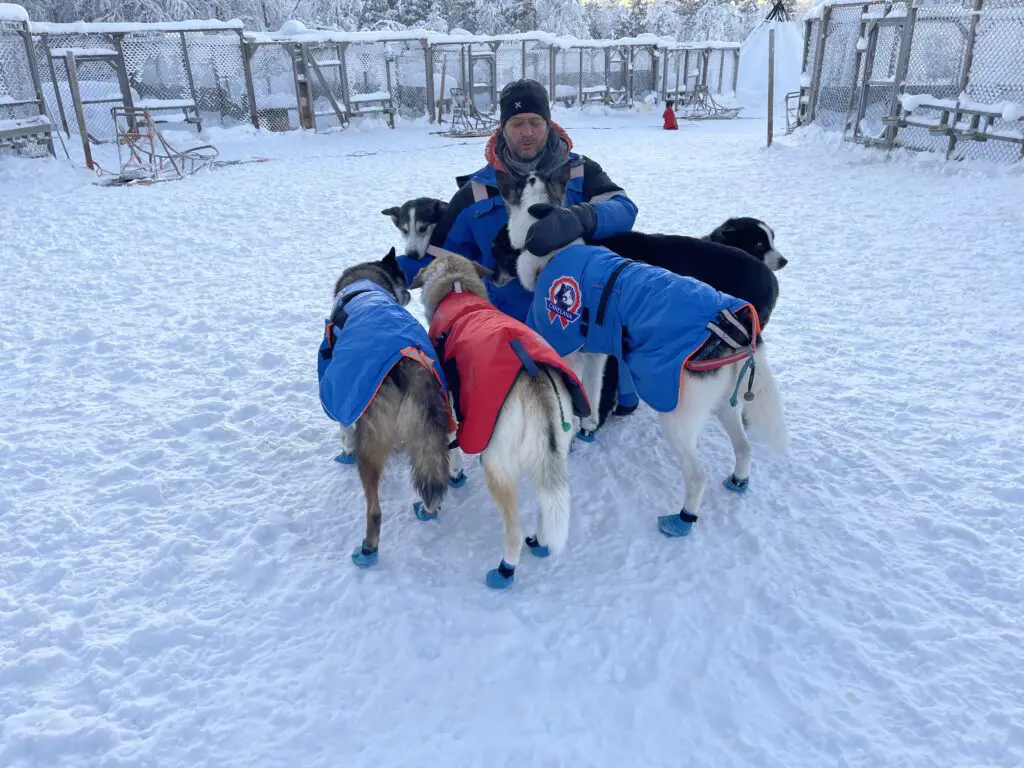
pixel 690 349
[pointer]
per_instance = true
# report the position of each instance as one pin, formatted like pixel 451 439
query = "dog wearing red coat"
pixel 516 402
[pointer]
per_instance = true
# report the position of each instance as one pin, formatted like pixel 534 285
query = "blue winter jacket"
pixel 375 333
pixel 650 318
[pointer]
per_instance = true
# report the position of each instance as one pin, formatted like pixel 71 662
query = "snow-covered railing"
pixel 938 77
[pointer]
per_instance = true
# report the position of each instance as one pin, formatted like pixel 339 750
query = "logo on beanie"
pixel 563 301
pixel 517 105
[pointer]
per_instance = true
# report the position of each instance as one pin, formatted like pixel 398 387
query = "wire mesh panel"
pixel 730 64
pixel 449 63
pixel 835 88
pixel 155 63
pixel 644 82
pixel 567 76
pixel 508 63
pixel 996 79
pixel 877 84
pixel 15 75
pixel 326 81
pixel 273 82
pixel 538 62
pixel 409 79
pixel 714 68
pixel 97 81
pixel 218 74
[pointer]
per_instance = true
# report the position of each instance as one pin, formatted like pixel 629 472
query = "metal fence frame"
pixel 24 124
pixel 863 62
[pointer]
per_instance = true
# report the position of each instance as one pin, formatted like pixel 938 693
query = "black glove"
pixel 557 227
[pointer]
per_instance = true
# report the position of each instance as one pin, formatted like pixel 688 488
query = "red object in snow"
pixel 670 120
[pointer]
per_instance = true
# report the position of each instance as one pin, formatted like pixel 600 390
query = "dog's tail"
pixel 422 421
pixel 765 415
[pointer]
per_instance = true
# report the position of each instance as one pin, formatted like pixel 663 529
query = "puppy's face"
pixel 533 189
pixel 753 236
pixel 416 220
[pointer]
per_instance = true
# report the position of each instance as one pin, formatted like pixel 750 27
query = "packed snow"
pixel 176 587
pixel 12 12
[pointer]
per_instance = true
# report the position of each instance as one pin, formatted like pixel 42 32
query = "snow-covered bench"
pixel 379 102
pixel 961 118
pixel 19 133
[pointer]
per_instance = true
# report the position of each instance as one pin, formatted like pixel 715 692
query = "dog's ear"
pixel 438 210
pixel 393 213
pixel 723 231
pixel 482 270
pixel 390 260
pixel 506 186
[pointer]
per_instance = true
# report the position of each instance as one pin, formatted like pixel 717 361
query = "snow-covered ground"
pixel 175 583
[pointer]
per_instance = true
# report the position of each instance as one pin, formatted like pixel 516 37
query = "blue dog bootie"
pixel 363 556
pixel 586 435
pixel 459 481
pixel 536 547
pixel 421 513
pixel 734 484
pixel 502 576
pixel 674 526
pixel 345 458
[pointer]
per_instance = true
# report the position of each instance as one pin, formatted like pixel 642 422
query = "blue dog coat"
pixel 367 335
pixel 591 299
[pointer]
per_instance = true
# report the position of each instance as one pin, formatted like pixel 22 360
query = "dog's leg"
pixel 682 428
pixel 547 462
pixel 503 487
pixel 593 374
pixel 732 420
pixel 370 461
pixel 456 474
pixel 348 445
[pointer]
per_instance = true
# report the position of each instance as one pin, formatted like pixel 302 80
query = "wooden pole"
pixel 771 84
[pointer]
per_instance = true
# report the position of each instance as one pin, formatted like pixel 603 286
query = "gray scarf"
pixel 554 155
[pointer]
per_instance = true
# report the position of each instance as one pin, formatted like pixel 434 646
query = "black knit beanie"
pixel 524 96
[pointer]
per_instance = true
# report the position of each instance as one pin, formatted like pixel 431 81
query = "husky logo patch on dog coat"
pixel 564 301
pixel 484 350
pixel 651 319
pixel 367 335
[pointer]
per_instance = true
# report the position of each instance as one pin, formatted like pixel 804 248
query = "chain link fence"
pixel 941 77
pixel 19 98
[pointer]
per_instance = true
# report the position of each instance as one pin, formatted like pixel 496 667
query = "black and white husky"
pixel 702 393
pixel 409 411
pixel 416 220
pixel 528 436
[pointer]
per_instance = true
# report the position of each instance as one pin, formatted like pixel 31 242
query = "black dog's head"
pixel 416 220
pixel 385 273
pixel 505 258
pixel 753 236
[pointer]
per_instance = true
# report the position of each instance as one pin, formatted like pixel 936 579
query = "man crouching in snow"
pixel 528 141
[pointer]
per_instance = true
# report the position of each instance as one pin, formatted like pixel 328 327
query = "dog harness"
pixel 483 351
pixel 591 299
pixel 367 334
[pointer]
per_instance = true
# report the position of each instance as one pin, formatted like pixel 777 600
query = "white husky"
pixel 527 396
pixel 703 393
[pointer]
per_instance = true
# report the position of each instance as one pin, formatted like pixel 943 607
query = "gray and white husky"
pixel 409 410
pixel 527 438
pixel 703 394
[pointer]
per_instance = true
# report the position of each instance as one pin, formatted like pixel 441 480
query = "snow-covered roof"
pixel 296 32
pixel 12 12
pixel 102 27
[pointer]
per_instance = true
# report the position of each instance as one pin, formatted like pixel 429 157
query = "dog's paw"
pixel 364 557
pixel 676 525
pixel 734 484
pixel 458 481
pixel 502 576
pixel 345 458
pixel 538 549
pixel 587 435
pixel 421 513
